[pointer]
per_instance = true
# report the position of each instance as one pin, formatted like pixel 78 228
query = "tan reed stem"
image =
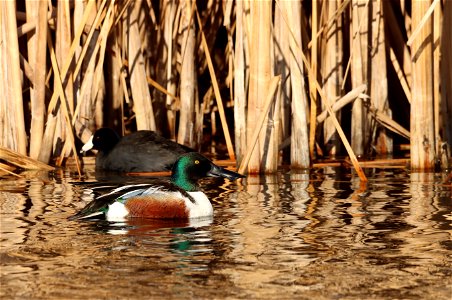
pixel 37 55
pixel 216 89
pixel 341 133
pixel 260 122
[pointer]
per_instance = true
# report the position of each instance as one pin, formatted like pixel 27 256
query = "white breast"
pixel 202 206
pixel 117 212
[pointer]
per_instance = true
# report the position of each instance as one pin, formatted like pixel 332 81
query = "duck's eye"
pixel 196 162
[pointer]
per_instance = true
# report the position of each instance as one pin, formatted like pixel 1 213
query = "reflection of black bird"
pixel 141 151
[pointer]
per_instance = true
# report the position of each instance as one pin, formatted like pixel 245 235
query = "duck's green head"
pixel 191 167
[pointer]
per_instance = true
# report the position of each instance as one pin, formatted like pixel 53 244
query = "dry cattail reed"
pixel 422 122
pixel 176 66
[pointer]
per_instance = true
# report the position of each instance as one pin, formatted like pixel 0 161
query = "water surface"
pixel 288 236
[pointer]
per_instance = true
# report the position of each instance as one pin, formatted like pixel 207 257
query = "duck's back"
pixel 141 151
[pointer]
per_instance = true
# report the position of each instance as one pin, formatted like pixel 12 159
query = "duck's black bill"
pixel 217 171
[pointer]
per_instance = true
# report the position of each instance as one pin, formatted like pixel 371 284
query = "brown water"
pixel 290 236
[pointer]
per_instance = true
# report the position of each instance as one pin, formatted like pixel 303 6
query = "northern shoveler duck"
pixel 180 198
pixel 141 151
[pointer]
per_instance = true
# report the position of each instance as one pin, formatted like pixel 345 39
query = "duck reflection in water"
pixel 146 226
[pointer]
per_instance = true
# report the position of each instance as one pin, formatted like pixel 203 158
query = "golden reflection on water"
pixel 293 235
pixel 259 237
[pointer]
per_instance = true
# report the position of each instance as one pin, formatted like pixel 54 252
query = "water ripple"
pixel 285 236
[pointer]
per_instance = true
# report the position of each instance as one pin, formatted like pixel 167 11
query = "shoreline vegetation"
pixel 261 84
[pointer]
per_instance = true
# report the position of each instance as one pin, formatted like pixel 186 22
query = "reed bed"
pixel 289 81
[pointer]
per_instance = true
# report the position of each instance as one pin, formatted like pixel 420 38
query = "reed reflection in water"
pixel 317 236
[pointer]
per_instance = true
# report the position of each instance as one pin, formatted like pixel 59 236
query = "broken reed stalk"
pixel 100 49
pixel 63 102
pixel 436 78
pixel 333 17
pixel 389 123
pixel 282 55
pixel 273 135
pixel 341 133
pixel 170 21
pixel 446 76
pixel 23 161
pixel 299 150
pixel 422 22
pixel 331 71
pixel 97 20
pixel 273 85
pixel 239 84
pixel 75 42
pixel 122 92
pixel 260 70
pixel 4 168
pixel 61 47
pixel 14 131
pixel 422 128
pixel 122 12
pixel 359 71
pixel 84 84
pixel 140 92
pixel 28 71
pixel 312 90
pixel 160 88
pixel 230 49
pixel 37 42
pixel 216 89
pixel 188 76
pixel 91 89
pixel 44 154
pixel 29 26
pixel 378 78
pixel 349 149
pixel 346 99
